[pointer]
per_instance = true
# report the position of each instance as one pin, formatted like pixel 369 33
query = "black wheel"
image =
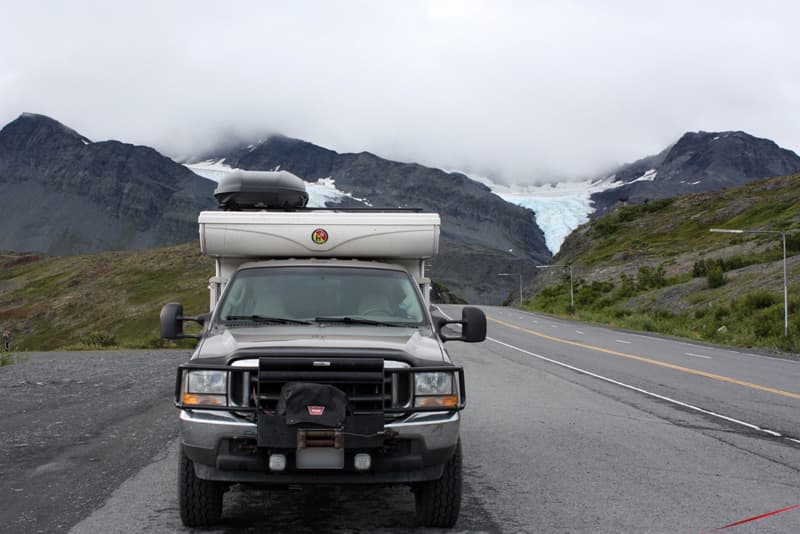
pixel 439 501
pixel 200 500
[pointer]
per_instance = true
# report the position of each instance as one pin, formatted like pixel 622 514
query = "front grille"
pixel 370 387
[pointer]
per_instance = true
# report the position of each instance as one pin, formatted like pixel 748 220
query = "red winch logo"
pixel 316 410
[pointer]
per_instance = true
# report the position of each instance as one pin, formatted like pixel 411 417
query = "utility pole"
pixel 571 290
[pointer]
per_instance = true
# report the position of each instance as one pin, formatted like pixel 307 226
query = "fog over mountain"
pixel 521 92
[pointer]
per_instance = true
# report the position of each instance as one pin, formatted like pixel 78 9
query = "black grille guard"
pixel 458 371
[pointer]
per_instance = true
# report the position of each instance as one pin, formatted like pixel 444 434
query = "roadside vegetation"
pixel 103 301
pixel 656 268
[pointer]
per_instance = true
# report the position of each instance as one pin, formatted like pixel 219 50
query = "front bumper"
pixel 222 447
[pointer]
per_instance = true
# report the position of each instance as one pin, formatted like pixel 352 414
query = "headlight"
pixel 205 387
pixel 212 382
pixel 433 383
pixel 434 390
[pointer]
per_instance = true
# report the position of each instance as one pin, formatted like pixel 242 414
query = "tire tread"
pixel 200 500
pixel 439 501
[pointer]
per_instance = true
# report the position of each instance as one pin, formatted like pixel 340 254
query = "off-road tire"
pixel 200 501
pixel 439 501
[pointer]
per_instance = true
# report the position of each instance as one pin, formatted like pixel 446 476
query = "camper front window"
pixel 315 293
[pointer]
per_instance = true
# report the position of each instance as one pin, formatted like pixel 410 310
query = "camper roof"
pixel 319 233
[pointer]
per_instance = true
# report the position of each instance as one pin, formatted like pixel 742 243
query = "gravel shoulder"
pixel 74 426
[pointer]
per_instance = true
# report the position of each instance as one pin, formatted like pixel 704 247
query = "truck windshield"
pixel 322 294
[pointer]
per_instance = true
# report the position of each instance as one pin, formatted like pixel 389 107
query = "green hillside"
pixel 106 300
pixel 102 300
pixel 656 267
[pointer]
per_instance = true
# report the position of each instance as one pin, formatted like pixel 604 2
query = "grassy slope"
pixel 636 267
pixel 104 300
pixel 109 299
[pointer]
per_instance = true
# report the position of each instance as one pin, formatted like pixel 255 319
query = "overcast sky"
pixel 525 91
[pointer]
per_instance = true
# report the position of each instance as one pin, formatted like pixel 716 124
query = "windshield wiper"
pixel 265 319
pixel 358 320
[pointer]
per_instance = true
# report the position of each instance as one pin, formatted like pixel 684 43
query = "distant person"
pixel 6 340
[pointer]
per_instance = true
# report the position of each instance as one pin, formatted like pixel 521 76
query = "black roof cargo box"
pixel 256 190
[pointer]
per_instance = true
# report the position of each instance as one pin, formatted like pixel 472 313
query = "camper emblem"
pixel 319 236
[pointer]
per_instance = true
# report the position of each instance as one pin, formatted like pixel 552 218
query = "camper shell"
pixel 399 237
pixel 319 361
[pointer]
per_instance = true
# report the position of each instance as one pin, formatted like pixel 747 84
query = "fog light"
pixel 277 462
pixel 363 461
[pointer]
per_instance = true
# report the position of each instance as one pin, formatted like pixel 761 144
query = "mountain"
pixel 64 194
pixel 478 227
pixel 698 161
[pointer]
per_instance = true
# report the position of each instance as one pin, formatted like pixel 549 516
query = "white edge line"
pixel 442 312
pixel 643 391
pixel 639 390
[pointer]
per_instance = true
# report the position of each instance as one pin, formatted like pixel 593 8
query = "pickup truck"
pixel 320 361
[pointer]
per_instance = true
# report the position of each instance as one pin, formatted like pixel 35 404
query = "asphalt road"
pixel 637 434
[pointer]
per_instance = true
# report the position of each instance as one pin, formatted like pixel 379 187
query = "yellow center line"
pixel 652 361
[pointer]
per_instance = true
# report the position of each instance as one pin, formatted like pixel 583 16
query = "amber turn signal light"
pixel 439 401
pixel 194 399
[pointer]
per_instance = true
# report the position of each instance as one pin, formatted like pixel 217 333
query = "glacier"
pixel 559 208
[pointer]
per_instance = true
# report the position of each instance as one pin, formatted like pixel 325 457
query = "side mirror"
pixel 172 321
pixel 473 326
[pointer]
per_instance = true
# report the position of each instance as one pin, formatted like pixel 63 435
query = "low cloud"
pixel 520 91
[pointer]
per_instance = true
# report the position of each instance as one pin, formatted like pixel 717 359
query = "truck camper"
pixel 319 361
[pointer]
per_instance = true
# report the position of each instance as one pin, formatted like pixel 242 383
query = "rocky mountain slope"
pixel 64 194
pixel 657 266
pixel 68 195
pixel 478 227
pixel 697 162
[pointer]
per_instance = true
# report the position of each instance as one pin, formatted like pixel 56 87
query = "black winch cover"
pixel 300 402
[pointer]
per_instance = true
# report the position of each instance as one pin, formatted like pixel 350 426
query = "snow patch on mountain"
pixel 320 193
pixel 648 176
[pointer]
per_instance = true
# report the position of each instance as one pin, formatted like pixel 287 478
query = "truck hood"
pixel 417 343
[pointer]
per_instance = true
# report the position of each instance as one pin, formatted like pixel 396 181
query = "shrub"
pixel 715 277
pixel 650 278
pixel 792 243
pixel 620 313
pixel 759 300
pixel 627 287
pixel 99 339
pixel 606 226
pixel 721 313
pixel 590 295
pixel 764 328
pixel 700 268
